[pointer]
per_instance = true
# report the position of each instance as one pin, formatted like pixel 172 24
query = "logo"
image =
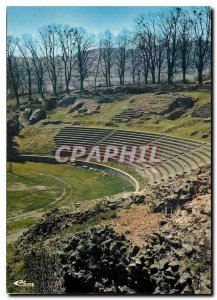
pixel 23 283
pixel 98 153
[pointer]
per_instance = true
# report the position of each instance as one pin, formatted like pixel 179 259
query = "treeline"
pixel 172 43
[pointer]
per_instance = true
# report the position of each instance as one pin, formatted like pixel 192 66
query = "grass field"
pixel 36 187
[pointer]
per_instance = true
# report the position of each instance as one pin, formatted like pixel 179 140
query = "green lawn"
pixel 16 271
pixel 34 186
pixel 13 226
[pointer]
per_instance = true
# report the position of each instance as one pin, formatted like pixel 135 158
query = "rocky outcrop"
pixel 176 114
pixel 96 261
pixel 175 194
pixel 56 220
pixel 180 253
pixel 203 112
pixel 82 110
pixel 100 261
pixel 178 106
pixel 13 126
pixel 26 114
pixel 37 115
pixel 76 107
pixel 50 104
pixel 176 259
pixel 67 100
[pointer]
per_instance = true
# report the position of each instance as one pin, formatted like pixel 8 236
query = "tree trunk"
pixel 200 76
pixel 14 85
pixel 41 92
pixel 81 84
pixel 30 86
pixel 159 76
pixel 55 87
pixel 146 78
pixel 139 79
pixel 109 80
pixel 17 98
pixel 10 166
pixel 184 66
pixel 170 77
pixel 133 78
pixel 153 77
pixel 183 76
pixel 120 80
pixel 67 88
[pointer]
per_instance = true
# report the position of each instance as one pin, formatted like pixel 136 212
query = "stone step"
pixel 93 137
pixel 177 165
pixel 153 177
pixel 129 141
pixel 174 144
pixel 191 160
pixel 181 142
pixel 177 156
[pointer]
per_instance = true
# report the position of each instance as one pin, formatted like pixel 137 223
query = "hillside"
pixel 185 126
pixel 93 230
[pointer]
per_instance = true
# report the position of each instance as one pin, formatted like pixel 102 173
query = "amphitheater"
pixel 148 222
pixel 177 155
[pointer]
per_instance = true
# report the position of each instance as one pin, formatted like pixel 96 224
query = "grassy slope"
pixel 38 139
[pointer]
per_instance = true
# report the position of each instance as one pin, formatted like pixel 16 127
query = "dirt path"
pixel 37 213
pixel 15 235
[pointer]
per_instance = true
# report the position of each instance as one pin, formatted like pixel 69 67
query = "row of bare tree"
pixel 174 42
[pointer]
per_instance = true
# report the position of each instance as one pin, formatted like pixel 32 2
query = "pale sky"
pixel 27 19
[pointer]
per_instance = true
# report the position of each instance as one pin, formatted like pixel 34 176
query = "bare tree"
pixel 84 57
pixel 144 57
pixel 201 22
pixel 50 50
pixel 169 23
pixel 175 41
pixel 147 34
pixel 27 64
pixel 160 56
pixel 185 43
pixel 107 55
pixel 133 57
pixel 67 44
pixel 122 55
pixel 13 67
pixel 37 61
pixel 97 68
